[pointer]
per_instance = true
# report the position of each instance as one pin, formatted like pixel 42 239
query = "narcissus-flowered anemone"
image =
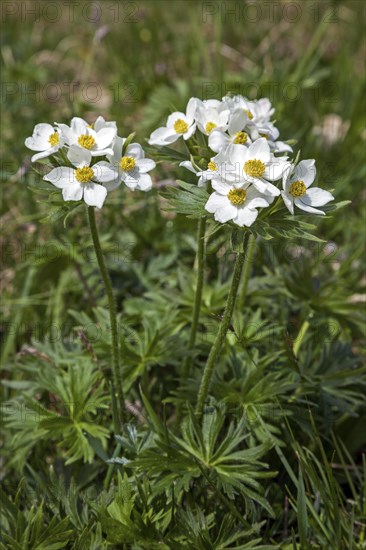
pixel 131 165
pixel 296 184
pixel 82 180
pixel 178 125
pixel 46 139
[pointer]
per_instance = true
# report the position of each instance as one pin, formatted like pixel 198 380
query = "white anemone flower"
pixel 131 166
pixel 212 114
pixel 254 164
pixel 219 140
pixel 296 188
pixel 178 125
pixel 97 141
pixel 46 139
pixel 259 111
pixel 82 181
pixel 236 203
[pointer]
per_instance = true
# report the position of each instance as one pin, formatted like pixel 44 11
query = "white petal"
pixel 226 213
pixel 265 187
pixel 289 201
pixel 217 140
pixel 216 201
pixel 94 194
pixel 191 108
pixel 221 186
pixel 305 171
pixel 317 197
pixel 39 140
pixel 307 208
pixel 163 136
pixel 145 165
pixel 135 150
pixel 260 150
pixel 79 126
pixel 238 120
pixel 144 183
pixel 61 176
pixel 274 170
pixel 105 172
pixel 44 154
pixel 78 156
pixel 238 155
pixel 190 132
pixel 104 137
pixel 245 216
pixel 188 165
pixel 73 192
pixel 101 152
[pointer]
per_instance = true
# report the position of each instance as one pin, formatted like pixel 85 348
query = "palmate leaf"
pixel 188 199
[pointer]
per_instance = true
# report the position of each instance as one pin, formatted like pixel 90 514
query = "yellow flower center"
pixel 127 163
pixel 212 166
pixel 249 113
pixel 254 168
pixel 298 188
pixel 86 141
pixel 91 125
pixel 84 174
pixel 210 126
pixel 237 196
pixel 241 137
pixel 180 126
pixel 54 139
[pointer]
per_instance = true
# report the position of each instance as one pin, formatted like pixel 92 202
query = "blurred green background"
pixel 134 62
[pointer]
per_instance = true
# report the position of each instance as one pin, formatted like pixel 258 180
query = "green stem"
pixel 198 295
pixel 221 335
pixel 246 271
pixel 112 314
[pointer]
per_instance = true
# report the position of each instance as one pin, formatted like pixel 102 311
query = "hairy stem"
pixel 221 335
pixel 198 295
pixel 117 378
pixel 246 271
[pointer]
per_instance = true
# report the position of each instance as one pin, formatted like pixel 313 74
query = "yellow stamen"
pixel 297 188
pixel 127 163
pixel 212 166
pixel 265 136
pixel 210 126
pixel 249 113
pixel 241 137
pixel 254 168
pixel 84 174
pixel 54 139
pixel 237 196
pixel 86 141
pixel 180 126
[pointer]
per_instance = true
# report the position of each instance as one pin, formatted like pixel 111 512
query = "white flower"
pixel 212 114
pixel 269 131
pixel 219 140
pixel 239 204
pixel 254 164
pixel 296 182
pixel 80 182
pixel 45 139
pixel 204 176
pixel 97 141
pixel 259 111
pixel 131 167
pixel 178 124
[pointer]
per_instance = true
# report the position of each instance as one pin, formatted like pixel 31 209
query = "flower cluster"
pixel 90 159
pixel 249 160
